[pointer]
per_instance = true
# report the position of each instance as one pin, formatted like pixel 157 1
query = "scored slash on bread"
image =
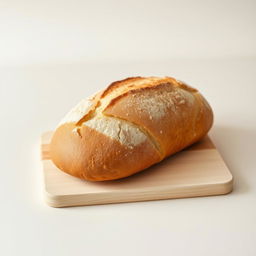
pixel 131 125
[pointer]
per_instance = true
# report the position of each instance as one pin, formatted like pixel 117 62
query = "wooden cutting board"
pixel 196 171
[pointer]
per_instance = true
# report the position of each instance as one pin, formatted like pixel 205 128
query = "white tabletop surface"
pixel 34 98
pixel 54 53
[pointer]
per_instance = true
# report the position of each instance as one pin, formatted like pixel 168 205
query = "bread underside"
pixel 131 125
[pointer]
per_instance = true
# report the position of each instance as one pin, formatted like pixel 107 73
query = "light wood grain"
pixel 197 171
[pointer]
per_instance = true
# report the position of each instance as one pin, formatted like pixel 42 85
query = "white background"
pixel 62 30
pixel 53 53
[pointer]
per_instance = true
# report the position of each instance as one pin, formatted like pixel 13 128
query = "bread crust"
pixel 90 155
pixel 168 114
pixel 183 124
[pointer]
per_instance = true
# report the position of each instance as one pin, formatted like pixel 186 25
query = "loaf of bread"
pixel 132 124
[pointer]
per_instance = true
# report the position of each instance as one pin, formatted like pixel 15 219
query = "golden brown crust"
pixel 186 87
pixel 118 84
pixel 170 114
pixel 93 156
pixel 182 125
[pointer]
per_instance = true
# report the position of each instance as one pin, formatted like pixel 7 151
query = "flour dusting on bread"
pixel 78 112
pixel 156 105
pixel 120 130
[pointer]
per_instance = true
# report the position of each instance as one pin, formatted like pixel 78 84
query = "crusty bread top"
pixel 87 108
pixel 152 97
